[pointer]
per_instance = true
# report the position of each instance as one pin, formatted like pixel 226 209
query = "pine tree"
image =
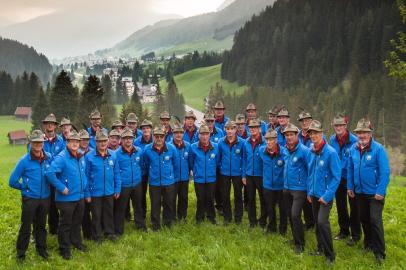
pixel 64 97
pixel 134 106
pixel 40 110
pixel 91 98
pixel 175 102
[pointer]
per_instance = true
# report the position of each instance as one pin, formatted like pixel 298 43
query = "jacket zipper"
pixel 80 176
pixel 104 177
pixel 40 195
pixel 205 157
pixel 359 172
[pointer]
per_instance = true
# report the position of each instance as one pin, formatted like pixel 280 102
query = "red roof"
pixel 23 111
pixel 17 135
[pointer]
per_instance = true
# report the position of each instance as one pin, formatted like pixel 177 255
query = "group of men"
pixel 84 181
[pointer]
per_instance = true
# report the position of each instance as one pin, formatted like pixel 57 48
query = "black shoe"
pixel 82 248
pixel 352 242
pixel 330 261
pixel 341 236
pixel 309 227
pixel 112 237
pixel 66 255
pixel 43 253
pixel 20 258
pixel 299 249
pixel 213 221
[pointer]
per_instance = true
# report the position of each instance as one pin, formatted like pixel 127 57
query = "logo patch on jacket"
pixel 280 163
pixel 111 163
pixel 212 155
pixel 216 139
pixel 186 154
pixel 321 163
pixel 237 151
pixel 137 159
pixel 369 157
pixel 294 159
pixel 167 158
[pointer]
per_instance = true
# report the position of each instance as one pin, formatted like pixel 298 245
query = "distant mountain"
pixel 15 58
pixel 212 28
pixel 225 4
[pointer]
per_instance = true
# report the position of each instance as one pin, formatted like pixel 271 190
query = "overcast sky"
pixel 73 27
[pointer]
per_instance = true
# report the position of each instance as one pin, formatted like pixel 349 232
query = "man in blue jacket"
pixel 191 134
pixel 283 121
pixel 95 126
pixel 160 160
pixel 132 123
pixel 204 161
pixel 141 142
pixel 221 119
pixel 130 162
pixel 34 188
pixel 367 181
pixel 324 178
pixel 252 173
pixel 231 164
pixel 342 140
pixel 103 173
pixel 251 111
pixel 164 119
pixel 273 162
pixel 182 170
pixel 295 183
pixel 67 174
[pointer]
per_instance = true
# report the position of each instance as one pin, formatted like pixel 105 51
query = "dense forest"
pixel 17 58
pixel 324 55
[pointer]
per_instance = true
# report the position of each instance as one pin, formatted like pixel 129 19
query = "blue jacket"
pixel 33 183
pixel 217 135
pixel 138 134
pixel 273 168
pixel 182 166
pixel 281 137
pixel 70 172
pixel 92 135
pixel 324 173
pixel 343 152
pixel 160 165
pixel 169 137
pixel 53 148
pixel 141 143
pixel 220 125
pixel 204 164
pixel 306 142
pixel 103 173
pixel 194 138
pixel 296 168
pixel 263 128
pixel 252 164
pixel 130 166
pixel 369 173
pixel 231 157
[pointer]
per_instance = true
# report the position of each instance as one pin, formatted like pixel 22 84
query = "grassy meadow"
pixel 187 246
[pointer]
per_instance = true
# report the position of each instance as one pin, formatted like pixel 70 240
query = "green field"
pixel 187 246
pixel 195 85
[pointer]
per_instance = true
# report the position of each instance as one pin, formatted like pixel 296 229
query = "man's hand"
pixel 88 200
pixel 116 195
pixel 65 191
pixel 244 181
pixel 322 201
pixel 309 199
pixel 350 193
pixel 379 197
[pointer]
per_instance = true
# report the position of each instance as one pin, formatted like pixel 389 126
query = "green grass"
pixel 195 85
pixel 187 246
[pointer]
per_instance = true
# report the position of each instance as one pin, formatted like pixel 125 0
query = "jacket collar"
pixel 163 149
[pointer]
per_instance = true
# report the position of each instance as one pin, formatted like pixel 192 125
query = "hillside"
pixel 15 58
pixel 213 27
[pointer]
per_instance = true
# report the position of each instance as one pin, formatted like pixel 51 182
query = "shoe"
pixel 330 261
pixel 340 236
pixel 299 249
pixel 82 248
pixel 309 227
pixel 43 253
pixel 112 237
pixel 20 258
pixel 66 255
pixel 352 242
pixel 213 221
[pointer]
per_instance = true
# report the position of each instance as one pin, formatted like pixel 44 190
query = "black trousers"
pixel 120 206
pixel 71 215
pixel 205 201
pixel 226 182
pixel 87 222
pixel 181 199
pixel 308 215
pixel 323 230
pixel 294 201
pixel 372 223
pixel 144 182
pixel 33 212
pixel 245 196
pixel 218 196
pixel 273 197
pixel 128 209
pixel 162 197
pixel 53 217
pixel 102 209
pixel 254 184
pixel 347 221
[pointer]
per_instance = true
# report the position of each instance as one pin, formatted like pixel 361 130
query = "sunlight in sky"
pixel 186 8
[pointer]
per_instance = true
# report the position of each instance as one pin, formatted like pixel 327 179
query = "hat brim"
pixel 303 118
pixel 46 121
pixel 362 130
pixel 315 129
pixel 37 140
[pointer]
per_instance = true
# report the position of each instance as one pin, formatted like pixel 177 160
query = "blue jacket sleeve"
pixel 15 176
pixel 384 172
pixel 244 161
pixel 350 174
pixel 87 187
pixel 57 166
pixel 117 178
pixel 335 172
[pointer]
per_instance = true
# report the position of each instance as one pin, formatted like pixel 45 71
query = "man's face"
pixel 37 146
pixel 114 140
pixel 305 123
pixel 165 122
pixel 119 128
pixel 252 114
pixel 84 143
pixel 189 122
pixel 73 145
pixel 316 136
pixel 254 131
pixel 132 125
pixel 270 143
pixel 66 129
pixel 210 124
pixel 159 139
pixel 178 136
pixel 283 120
pixel 240 127
pixel 291 137
pixel 95 122
pixel 272 118
pixel 219 112
pixel 340 129
pixel 230 131
pixel 49 127
pixel 204 138
pixel 127 142
pixel 146 131
pixel 101 145
pixel 364 137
